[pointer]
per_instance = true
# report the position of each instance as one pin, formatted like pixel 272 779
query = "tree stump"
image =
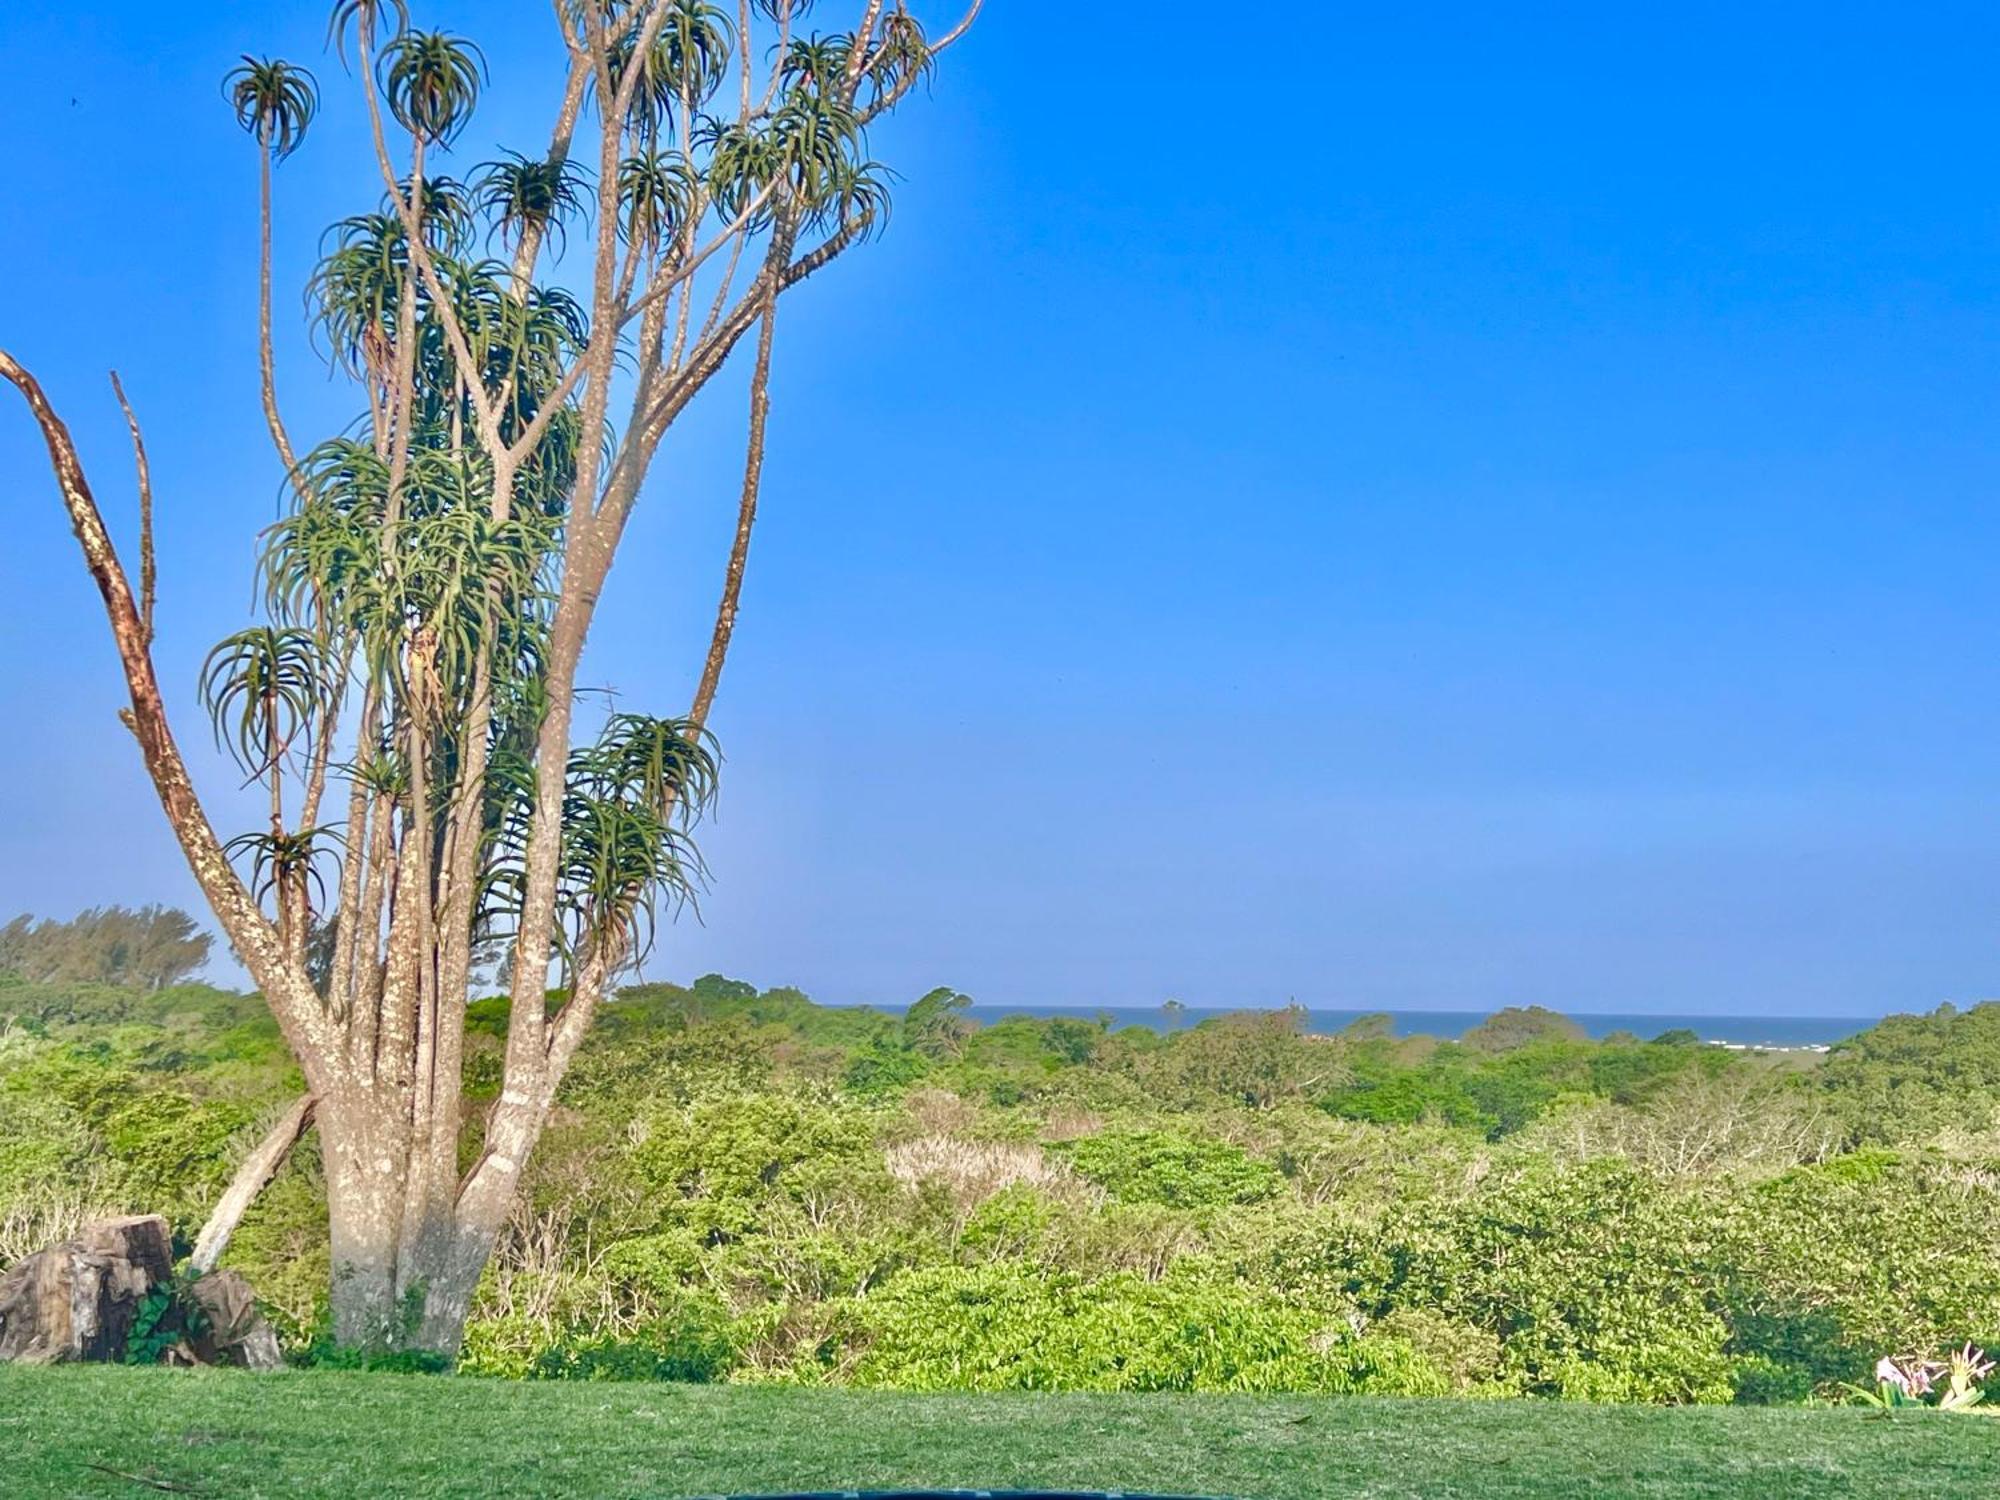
pixel 233 1331
pixel 76 1301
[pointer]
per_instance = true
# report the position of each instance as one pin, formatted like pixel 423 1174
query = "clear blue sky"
pixel 1448 508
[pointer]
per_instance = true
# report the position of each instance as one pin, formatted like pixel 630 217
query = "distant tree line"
pixel 147 948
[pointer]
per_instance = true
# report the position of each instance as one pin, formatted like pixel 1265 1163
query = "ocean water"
pixel 1740 1031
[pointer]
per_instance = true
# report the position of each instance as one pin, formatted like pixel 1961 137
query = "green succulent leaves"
pixel 274 101
pixel 431 80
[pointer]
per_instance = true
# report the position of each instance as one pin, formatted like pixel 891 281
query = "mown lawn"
pixel 303 1435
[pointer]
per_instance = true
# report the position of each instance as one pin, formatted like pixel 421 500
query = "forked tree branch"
pixel 485 414
pixel 569 1025
pixel 669 278
pixel 936 49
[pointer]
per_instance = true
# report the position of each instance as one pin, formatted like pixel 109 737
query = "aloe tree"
pixel 522 343
pixel 275 102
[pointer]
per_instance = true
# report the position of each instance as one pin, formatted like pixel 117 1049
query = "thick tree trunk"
pixel 364 1213
pixel 462 1250
pixel 406 1258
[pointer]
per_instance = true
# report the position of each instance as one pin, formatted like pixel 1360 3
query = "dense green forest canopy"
pixel 744 1185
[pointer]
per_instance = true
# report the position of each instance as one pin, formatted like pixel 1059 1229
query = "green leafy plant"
pixel 167 1316
pixel 1173 1168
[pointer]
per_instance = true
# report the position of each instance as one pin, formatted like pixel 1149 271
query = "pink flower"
pixel 1913 1377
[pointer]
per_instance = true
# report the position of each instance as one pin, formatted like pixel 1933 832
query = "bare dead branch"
pixel 149 573
pixel 255 938
pixel 258 1168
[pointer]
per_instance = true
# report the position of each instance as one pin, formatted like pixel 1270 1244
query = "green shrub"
pixel 990 1328
pixel 1176 1169
pixel 886 1067
pixel 1913 1076
pixel 1834 1266
pixel 692 1345
pixel 1014 1224
pixel 1592 1280
pixel 1766 1382
pixel 324 1354
pixel 747 1149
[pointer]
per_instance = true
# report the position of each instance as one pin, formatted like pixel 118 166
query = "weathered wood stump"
pixel 76 1301
pixel 232 1331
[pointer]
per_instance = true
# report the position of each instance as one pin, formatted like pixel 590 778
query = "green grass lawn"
pixel 300 1435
